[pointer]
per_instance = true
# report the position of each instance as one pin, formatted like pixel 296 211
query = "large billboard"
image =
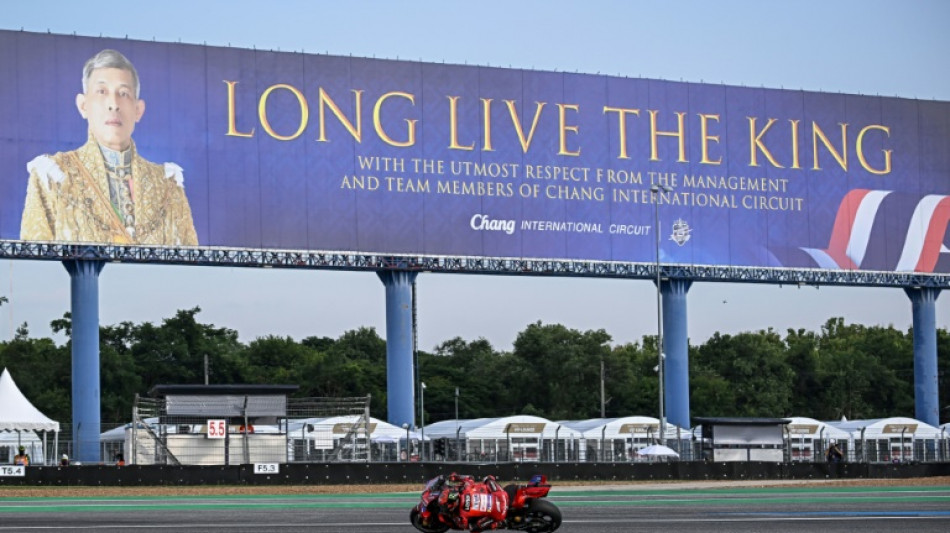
pixel 256 149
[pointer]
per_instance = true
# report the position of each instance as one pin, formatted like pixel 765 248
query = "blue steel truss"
pixel 260 258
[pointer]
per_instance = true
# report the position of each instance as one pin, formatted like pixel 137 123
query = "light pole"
pixel 422 418
pixel 603 402
pixel 458 451
pixel 655 189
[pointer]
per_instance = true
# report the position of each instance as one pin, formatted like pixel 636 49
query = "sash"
pixel 119 233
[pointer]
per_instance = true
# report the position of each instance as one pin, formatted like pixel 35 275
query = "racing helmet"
pixel 452 498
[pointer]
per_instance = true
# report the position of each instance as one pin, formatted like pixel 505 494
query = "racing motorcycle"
pixel 458 502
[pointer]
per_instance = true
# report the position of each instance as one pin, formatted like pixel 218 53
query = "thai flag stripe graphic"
pixel 821 258
pixel 924 241
pixel 855 221
pixel 863 221
pixel 851 231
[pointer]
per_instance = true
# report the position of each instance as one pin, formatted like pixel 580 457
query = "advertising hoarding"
pixel 257 149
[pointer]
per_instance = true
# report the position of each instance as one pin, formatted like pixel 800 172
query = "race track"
pixel 795 509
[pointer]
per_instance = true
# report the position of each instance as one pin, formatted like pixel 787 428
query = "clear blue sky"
pixel 876 47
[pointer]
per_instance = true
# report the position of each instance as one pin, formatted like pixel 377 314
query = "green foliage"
pixel 475 369
pixel 754 365
pixel 42 371
pixel 865 372
pixel 553 371
pixel 354 365
pixel 558 369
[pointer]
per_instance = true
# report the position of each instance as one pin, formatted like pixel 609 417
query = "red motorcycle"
pixel 460 503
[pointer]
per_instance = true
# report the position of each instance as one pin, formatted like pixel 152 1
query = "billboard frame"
pixel 321 260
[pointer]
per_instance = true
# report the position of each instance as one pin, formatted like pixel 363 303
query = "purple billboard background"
pixel 252 190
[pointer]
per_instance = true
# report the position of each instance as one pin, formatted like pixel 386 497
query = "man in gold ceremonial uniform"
pixel 105 192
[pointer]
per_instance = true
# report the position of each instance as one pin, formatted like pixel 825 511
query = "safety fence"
pixel 340 430
pixel 318 439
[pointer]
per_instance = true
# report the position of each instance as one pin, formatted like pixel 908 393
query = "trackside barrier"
pixel 401 472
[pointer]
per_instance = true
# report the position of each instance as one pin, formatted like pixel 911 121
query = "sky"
pixel 872 47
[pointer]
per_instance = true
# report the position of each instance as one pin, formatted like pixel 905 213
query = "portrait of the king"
pixel 105 191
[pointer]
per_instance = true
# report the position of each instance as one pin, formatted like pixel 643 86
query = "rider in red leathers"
pixel 478 506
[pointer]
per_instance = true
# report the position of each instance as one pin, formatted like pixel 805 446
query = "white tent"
pixel 328 428
pixel 323 434
pixel 893 427
pixel 18 415
pixel 619 439
pixel 658 450
pixel 499 428
pixel 808 439
pixel 892 439
pixel 524 435
pixel 644 427
pixel 802 426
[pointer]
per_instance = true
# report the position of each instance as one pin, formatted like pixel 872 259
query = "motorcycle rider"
pixel 485 504
pixel 459 502
pixel 496 519
pixel 451 488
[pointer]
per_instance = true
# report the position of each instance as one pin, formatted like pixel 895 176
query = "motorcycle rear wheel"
pixel 542 517
pixel 416 520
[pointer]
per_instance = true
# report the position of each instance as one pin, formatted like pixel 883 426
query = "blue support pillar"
pixel 84 305
pixel 926 393
pixel 676 348
pixel 400 366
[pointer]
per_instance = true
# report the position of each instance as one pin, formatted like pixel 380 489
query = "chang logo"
pixel 480 222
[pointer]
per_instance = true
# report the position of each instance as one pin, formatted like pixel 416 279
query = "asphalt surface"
pixel 601 509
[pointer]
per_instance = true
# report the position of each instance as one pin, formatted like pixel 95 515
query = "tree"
pixel 174 353
pixel 802 358
pixel 473 368
pixel 559 370
pixel 277 360
pixel 354 365
pixel 119 378
pixel 42 372
pixel 865 372
pixel 553 371
pixel 631 383
pixel 943 373
pixel 754 366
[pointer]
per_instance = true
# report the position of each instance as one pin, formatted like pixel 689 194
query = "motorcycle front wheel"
pixel 416 520
pixel 542 517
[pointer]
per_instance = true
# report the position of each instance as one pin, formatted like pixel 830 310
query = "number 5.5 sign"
pixel 217 429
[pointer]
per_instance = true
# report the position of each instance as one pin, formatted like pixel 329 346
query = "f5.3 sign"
pixel 217 429
pixel 266 468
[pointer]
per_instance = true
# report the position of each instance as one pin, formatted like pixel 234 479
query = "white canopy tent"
pixel 892 427
pixel 498 427
pixel 620 439
pixel 18 415
pixel 894 439
pixel 658 450
pixel 328 428
pixel 323 434
pixel 809 438
pixel 521 437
